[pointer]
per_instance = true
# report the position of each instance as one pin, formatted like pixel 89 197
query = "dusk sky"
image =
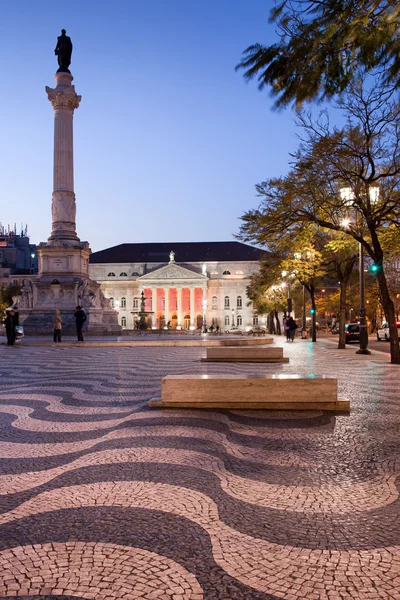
pixel 169 140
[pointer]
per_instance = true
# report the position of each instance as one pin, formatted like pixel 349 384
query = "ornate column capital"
pixel 66 99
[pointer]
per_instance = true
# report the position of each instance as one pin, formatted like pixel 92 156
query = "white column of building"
pixel 179 307
pixel 166 311
pixel 192 311
pixel 63 209
pixel 154 308
pixel 205 307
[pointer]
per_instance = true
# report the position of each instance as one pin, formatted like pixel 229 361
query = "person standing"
pixel 15 320
pixel 80 318
pixel 57 326
pixel 10 327
pixel 292 326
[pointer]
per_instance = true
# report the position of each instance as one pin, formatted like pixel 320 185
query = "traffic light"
pixel 312 311
pixel 375 268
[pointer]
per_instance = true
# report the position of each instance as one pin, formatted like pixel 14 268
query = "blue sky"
pixel 169 140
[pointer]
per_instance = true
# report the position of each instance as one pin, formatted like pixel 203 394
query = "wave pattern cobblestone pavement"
pixel 102 498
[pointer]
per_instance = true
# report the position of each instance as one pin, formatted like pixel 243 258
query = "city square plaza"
pixel 108 492
pixel 104 497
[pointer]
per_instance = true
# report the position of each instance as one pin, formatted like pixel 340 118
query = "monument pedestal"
pixel 63 281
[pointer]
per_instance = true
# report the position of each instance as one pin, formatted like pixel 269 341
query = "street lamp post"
pixel 289 299
pixel 233 318
pixel 363 320
pixel 304 324
pixel 347 194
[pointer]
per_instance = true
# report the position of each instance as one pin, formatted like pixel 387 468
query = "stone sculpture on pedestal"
pixel 63 281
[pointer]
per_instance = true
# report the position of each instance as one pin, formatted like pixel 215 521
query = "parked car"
pixel 383 332
pixel 335 328
pixel 352 332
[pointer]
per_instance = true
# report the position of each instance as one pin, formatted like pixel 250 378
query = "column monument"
pixel 63 281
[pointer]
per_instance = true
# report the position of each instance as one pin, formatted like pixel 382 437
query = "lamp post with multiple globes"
pixel 348 196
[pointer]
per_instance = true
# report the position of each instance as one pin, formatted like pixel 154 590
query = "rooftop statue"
pixel 63 52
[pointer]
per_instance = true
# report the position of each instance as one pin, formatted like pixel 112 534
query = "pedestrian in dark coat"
pixel 80 318
pixel 15 320
pixel 10 327
pixel 292 326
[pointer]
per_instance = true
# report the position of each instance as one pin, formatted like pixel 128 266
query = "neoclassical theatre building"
pixel 184 284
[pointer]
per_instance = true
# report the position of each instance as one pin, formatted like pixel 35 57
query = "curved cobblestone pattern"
pixel 340 498
pixel 84 569
pixel 282 565
pixel 250 505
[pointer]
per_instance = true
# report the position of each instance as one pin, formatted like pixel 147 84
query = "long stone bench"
pixel 255 354
pixel 287 392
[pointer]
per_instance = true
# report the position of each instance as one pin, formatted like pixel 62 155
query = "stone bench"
pixel 255 354
pixel 277 392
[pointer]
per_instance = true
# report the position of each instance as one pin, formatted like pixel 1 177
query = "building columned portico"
pixel 177 305
pixel 185 285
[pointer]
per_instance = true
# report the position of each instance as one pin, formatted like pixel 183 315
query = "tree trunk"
pixel 388 307
pixel 271 323
pixel 342 315
pixel 278 325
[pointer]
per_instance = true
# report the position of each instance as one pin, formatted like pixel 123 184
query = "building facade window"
pixel 111 275
pixel 226 302
pixel 135 274
pixel 135 303
pixel 255 320
pixel 112 302
pixel 227 320
pixel 123 322
pixel 123 302
pixel 226 273
pixel 123 274
pixel 239 320
pixel 214 303
pixel 239 302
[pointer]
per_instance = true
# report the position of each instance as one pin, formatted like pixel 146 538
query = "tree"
pixel 362 158
pixel 341 255
pixel 267 297
pixel 322 45
pixel 306 266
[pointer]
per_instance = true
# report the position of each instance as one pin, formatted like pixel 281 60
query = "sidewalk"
pixel 102 498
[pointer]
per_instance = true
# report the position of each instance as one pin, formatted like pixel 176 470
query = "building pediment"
pixel 173 272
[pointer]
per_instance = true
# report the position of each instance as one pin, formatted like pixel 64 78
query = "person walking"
pixel 286 326
pixel 292 326
pixel 10 327
pixel 80 318
pixel 57 326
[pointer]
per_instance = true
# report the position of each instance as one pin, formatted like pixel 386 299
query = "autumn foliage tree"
pixel 363 158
